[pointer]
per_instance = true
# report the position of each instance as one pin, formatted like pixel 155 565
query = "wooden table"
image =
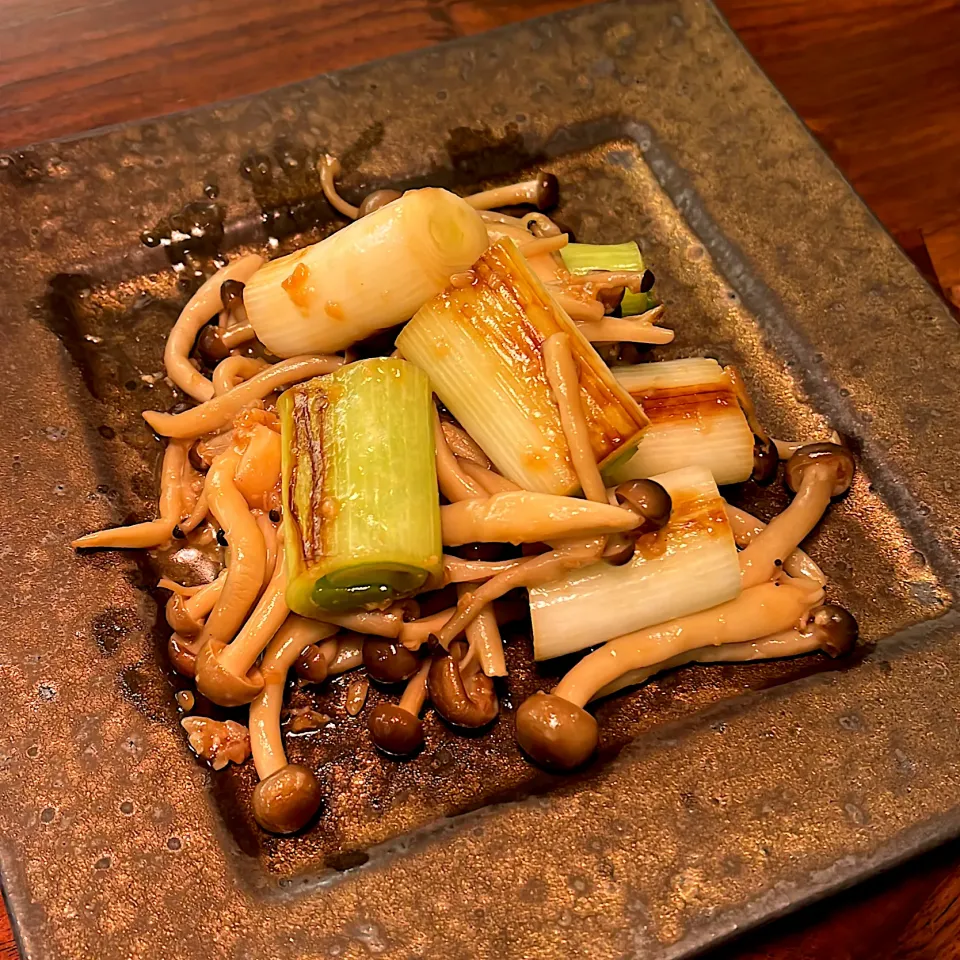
pixel 878 82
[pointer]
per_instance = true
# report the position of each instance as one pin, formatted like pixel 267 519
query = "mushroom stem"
pixel 197 515
pixel 542 245
pixel 456 570
pixel 491 482
pixel 614 329
pixel 201 307
pixel 238 335
pixel 541 192
pixel 747 527
pixel 266 740
pixel 268 616
pixel 454 484
pixel 581 311
pixel 271 541
pixel 483 635
pixel 414 634
pixel 530 573
pixel 329 169
pixel 793 642
pixel 758 612
pixel 233 371
pixel 523 516
pixel 348 657
pixel 785 532
pixel 415 692
pixel 217 413
pixel 462 445
pixel 561 371
pixel 376 623
pixel 248 553
pixel 153 533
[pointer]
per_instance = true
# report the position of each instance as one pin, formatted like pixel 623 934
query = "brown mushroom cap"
pixel 555 732
pixel 835 629
pixel 548 191
pixel 210 345
pixel 766 461
pixel 648 500
pixel 394 730
pixel 312 664
pixel 838 458
pixel 377 199
pixel 231 294
pixel 221 686
pixel 182 658
pixel 388 661
pixel 468 703
pixel 287 800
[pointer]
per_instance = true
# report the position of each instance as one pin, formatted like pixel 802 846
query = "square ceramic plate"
pixel 724 796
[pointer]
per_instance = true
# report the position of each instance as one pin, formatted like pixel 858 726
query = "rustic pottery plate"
pixel 724 796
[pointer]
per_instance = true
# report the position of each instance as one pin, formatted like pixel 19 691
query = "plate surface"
pixel 724 795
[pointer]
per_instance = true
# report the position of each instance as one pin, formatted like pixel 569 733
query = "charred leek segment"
pixel 481 347
pixel 694 420
pixel 582 259
pixel 689 565
pixel 362 517
pixel 373 274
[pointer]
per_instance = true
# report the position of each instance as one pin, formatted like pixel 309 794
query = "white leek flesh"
pixel 361 505
pixel 480 345
pixel 687 566
pixel 695 420
pixel 372 274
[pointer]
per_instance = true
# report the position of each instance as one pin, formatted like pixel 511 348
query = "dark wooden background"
pixel 877 81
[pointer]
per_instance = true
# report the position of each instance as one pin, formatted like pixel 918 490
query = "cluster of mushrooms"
pixel 221 484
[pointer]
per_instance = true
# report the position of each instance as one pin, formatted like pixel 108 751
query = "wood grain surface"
pixel 877 81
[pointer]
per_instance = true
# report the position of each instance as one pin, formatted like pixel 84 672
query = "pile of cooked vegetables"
pixel 488 454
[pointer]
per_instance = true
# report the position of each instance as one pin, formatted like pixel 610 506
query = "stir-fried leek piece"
pixel 694 420
pixel 582 259
pixel 362 514
pixel 481 347
pixel 688 565
pixel 373 274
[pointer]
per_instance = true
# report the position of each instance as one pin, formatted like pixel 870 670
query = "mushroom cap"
pixel 221 686
pixel 210 345
pixel 555 732
pixel 287 800
pixel 548 191
pixel 838 458
pixel 182 658
pixel 377 199
pixel 231 293
pixel 834 628
pixel 470 703
pixel 312 664
pixel 394 730
pixel 179 618
pixel 648 500
pixel 766 461
pixel 388 661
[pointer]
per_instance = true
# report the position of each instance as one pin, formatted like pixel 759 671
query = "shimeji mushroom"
pixel 226 673
pixel 555 730
pixel 542 192
pixel 815 473
pixel 288 794
pixel 397 729
pixel 830 629
pixel 460 691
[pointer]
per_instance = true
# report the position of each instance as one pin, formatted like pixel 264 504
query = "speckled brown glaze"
pixel 723 795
